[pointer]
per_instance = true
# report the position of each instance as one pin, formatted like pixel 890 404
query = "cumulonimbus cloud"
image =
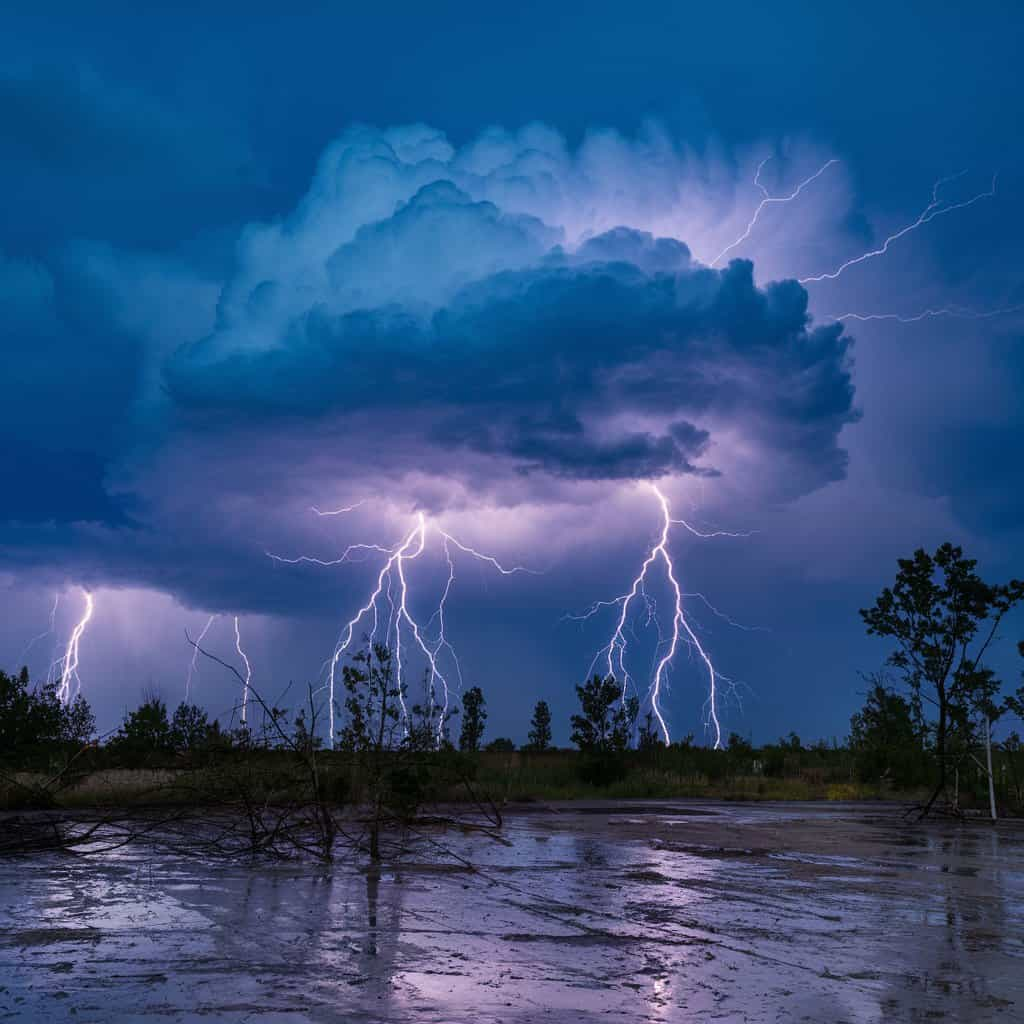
pixel 403 300
pixel 509 323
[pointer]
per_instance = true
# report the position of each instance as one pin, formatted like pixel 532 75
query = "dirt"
pixel 639 912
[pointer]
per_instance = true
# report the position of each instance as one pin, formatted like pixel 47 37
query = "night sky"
pixel 478 266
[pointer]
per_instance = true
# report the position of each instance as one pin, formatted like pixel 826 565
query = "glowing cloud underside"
pixel 455 279
pixel 386 616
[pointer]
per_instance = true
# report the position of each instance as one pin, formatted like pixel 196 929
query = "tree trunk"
pixel 940 753
pixel 988 758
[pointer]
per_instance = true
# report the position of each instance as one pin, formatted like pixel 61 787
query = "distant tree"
pixel 606 722
pixel 791 743
pixel 474 717
pixel 33 721
pixel 539 737
pixel 428 720
pixel 740 745
pixel 19 724
pixel 501 745
pixel 78 723
pixel 649 737
pixel 884 737
pixel 146 729
pixel 303 738
pixel 190 728
pixel 943 617
pixel 387 749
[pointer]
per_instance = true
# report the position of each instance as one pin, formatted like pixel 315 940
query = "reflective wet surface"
pixel 614 912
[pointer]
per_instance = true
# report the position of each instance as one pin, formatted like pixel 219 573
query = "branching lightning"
pixel 770 200
pixel 69 662
pixel 47 632
pixel 388 615
pixel 936 208
pixel 681 631
pixel 957 312
pixel 192 667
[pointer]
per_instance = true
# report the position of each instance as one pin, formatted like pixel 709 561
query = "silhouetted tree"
pixel 603 730
pixel 303 738
pixel 607 721
pixel 474 716
pixel 539 737
pixel 884 738
pixel 501 745
pixel 34 721
pixel 190 728
pixel 943 617
pixel 146 729
pixel 78 723
pixel 649 737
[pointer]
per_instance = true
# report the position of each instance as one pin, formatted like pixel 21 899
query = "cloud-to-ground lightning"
pixel 192 668
pixel 936 208
pixel 248 671
pixel 682 631
pixel 387 612
pixel 69 662
pixel 769 200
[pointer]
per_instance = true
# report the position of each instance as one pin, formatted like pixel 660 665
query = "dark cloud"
pixel 577 370
pixel 80 154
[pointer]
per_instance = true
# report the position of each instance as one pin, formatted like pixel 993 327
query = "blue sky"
pixel 211 322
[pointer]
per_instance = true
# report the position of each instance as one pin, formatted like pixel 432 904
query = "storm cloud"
pixel 445 322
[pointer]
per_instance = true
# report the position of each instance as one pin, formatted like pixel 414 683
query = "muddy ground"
pixel 637 912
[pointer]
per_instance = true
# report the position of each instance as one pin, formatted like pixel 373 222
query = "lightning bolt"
pixel 770 200
pixel 69 662
pixel 42 636
pixel 958 312
pixel 681 631
pixel 248 671
pixel 192 668
pixel 387 610
pixel 338 511
pixel 936 208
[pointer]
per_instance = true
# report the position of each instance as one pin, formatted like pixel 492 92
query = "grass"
pixel 504 777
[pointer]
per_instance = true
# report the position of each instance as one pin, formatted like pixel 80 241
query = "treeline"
pixel 926 723
pixel 889 750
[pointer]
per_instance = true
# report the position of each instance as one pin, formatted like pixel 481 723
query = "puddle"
pixel 640 912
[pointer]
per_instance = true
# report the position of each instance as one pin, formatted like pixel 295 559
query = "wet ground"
pixel 639 912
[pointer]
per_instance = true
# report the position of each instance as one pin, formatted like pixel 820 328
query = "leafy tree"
pixel 1016 702
pixel 943 617
pixel 303 738
pixel 607 721
pixel 649 737
pixel 190 728
pixel 884 737
pixel 146 729
pixel 375 736
pixel 33 721
pixel 474 716
pixel 16 726
pixel 539 737
pixel 603 729
pixel 78 723
pixel 501 745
